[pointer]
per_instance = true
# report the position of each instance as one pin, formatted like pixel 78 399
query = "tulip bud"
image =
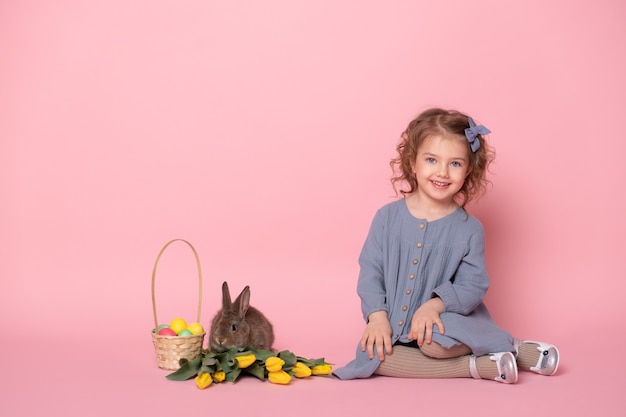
pixel 204 380
pixel 323 369
pixel 245 360
pixel 274 364
pixel 300 370
pixel 219 376
pixel 279 377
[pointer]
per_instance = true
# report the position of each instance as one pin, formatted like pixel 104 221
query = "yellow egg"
pixel 178 324
pixel 195 328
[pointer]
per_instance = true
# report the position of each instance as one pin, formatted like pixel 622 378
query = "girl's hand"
pixel 424 319
pixel 377 332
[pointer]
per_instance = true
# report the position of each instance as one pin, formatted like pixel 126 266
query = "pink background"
pixel 261 132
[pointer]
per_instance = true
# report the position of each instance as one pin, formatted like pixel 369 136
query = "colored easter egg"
pixel 195 328
pixel 185 332
pixel 166 331
pixel 161 326
pixel 178 325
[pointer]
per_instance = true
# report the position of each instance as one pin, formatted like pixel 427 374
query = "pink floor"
pixel 104 378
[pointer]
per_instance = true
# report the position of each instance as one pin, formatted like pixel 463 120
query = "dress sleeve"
pixel 371 283
pixel 467 289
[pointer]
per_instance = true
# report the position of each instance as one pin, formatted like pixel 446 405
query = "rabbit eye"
pixel 234 327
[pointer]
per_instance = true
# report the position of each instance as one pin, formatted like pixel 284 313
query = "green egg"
pixel 161 326
pixel 185 332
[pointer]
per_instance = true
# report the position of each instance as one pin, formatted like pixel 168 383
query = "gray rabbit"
pixel 239 325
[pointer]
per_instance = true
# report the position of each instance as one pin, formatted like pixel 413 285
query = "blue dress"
pixel 405 261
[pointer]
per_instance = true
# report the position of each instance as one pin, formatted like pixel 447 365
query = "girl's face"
pixel 440 168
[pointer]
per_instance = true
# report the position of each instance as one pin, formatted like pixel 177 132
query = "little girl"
pixel 422 273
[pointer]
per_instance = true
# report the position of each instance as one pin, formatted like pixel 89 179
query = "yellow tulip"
pixel 204 380
pixel 219 376
pixel 279 377
pixel 274 364
pixel 300 370
pixel 245 360
pixel 323 369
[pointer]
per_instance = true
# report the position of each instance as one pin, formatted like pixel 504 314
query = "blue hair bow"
pixel 472 132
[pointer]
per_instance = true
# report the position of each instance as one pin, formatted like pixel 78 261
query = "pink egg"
pixel 166 331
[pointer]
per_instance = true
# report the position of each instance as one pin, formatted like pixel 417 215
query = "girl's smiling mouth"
pixel 439 184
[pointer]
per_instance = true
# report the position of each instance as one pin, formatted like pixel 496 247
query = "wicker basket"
pixel 171 349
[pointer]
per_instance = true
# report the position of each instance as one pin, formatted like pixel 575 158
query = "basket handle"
pixel 156 262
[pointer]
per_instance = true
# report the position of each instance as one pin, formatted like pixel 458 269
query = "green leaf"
pixel 256 370
pixel 187 370
pixel 227 365
pixel 312 362
pixel 227 361
pixel 230 354
pixel 208 369
pixel 305 361
pixel 263 354
pixel 233 375
pixel 288 357
pixel 209 361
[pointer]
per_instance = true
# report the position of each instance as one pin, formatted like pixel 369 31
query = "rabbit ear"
pixel 225 296
pixel 242 302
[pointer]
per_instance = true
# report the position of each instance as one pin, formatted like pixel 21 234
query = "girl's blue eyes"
pixel 453 163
